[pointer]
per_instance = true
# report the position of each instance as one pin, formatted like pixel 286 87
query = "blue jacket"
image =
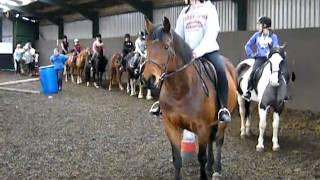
pixel 261 43
pixel 58 61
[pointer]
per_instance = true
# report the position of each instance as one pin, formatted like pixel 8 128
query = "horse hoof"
pixel 216 176
pixel 243 136
pixel 140 96
pixel 88 84
pixel 259 149
pixel 149 98
pixel 109 89
pixel 248 133
pixel 275 149
pixel 121 89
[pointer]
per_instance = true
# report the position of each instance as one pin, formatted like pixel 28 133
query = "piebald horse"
pixel 270 82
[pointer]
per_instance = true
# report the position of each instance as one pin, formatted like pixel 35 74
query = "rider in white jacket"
pixel 140 45
pixel 198 25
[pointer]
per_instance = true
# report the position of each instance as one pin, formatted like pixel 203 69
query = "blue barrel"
pixel 48 80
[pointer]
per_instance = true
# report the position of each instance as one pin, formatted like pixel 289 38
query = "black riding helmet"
pixel 127 36
pixel 265 21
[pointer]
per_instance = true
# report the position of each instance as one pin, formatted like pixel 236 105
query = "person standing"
pixel 58 61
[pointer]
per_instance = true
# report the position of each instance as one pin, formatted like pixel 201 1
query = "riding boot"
pixel 155 109
pixel 247 95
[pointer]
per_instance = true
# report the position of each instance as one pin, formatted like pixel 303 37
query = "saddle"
pixel 206 69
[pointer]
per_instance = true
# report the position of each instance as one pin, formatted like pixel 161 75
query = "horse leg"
pixel 203 136
pixel 262 128
pixel 65 72
pixel 275 125
pixel 210 151
pixel 175 136
pixel 128 85
pixel 149 96
pixel 80 74
pixel 131 87
pixel 140 96
pixel 217 164
pixel 71 73
pixel 100 78
pixel 244 110
pixel 119 81
pixel 111 79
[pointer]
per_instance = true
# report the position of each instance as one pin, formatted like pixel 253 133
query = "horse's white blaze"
pixel 262 127
pixel 274 80
pixel 275 125
pixel 276 60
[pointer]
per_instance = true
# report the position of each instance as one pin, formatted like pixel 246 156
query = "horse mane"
pixel 181 48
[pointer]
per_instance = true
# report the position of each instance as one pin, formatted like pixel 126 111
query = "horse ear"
pixel 149 25
pixel 284 45
pixel 166 25
pixel 293 76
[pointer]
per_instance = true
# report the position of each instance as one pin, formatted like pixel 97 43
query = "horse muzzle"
pixel 150 83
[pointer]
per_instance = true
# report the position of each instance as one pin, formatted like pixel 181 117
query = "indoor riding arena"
pixel 89 131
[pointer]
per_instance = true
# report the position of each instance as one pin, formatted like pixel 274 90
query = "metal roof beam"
pixel 145 7
pixel 84 12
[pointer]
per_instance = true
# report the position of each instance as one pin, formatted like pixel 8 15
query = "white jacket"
pixel 140 46
pixel 199 27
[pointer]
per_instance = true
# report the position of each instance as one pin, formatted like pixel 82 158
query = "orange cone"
pixel 188 146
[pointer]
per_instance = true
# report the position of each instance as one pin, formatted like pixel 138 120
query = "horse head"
pixel 165 52
pixel 276 57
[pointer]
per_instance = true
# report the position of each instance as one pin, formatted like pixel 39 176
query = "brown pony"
pixel 115 71
pixel 76 67
pixel 185 102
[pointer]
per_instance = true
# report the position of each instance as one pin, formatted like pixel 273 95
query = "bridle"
pixel 164 68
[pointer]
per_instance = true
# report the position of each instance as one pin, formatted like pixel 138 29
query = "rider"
pixel 97 47
pixel 65 45
pixel 262 40
pixel 198 25
pixel 127 48
pixel 140 45
pixel 76 50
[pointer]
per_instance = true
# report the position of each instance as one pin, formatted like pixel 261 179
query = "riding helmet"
pixel 265 21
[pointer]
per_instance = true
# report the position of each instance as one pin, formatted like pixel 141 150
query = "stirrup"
pixel 155 109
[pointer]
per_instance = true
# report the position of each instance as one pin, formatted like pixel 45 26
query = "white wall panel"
pixel 78 29
pixel 285 14
pixel 118 25
pixel 49 32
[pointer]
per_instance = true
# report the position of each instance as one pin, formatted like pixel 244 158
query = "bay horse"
pixel 99 67
pixel 185 102
pixel 116 72
pixel 270 82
